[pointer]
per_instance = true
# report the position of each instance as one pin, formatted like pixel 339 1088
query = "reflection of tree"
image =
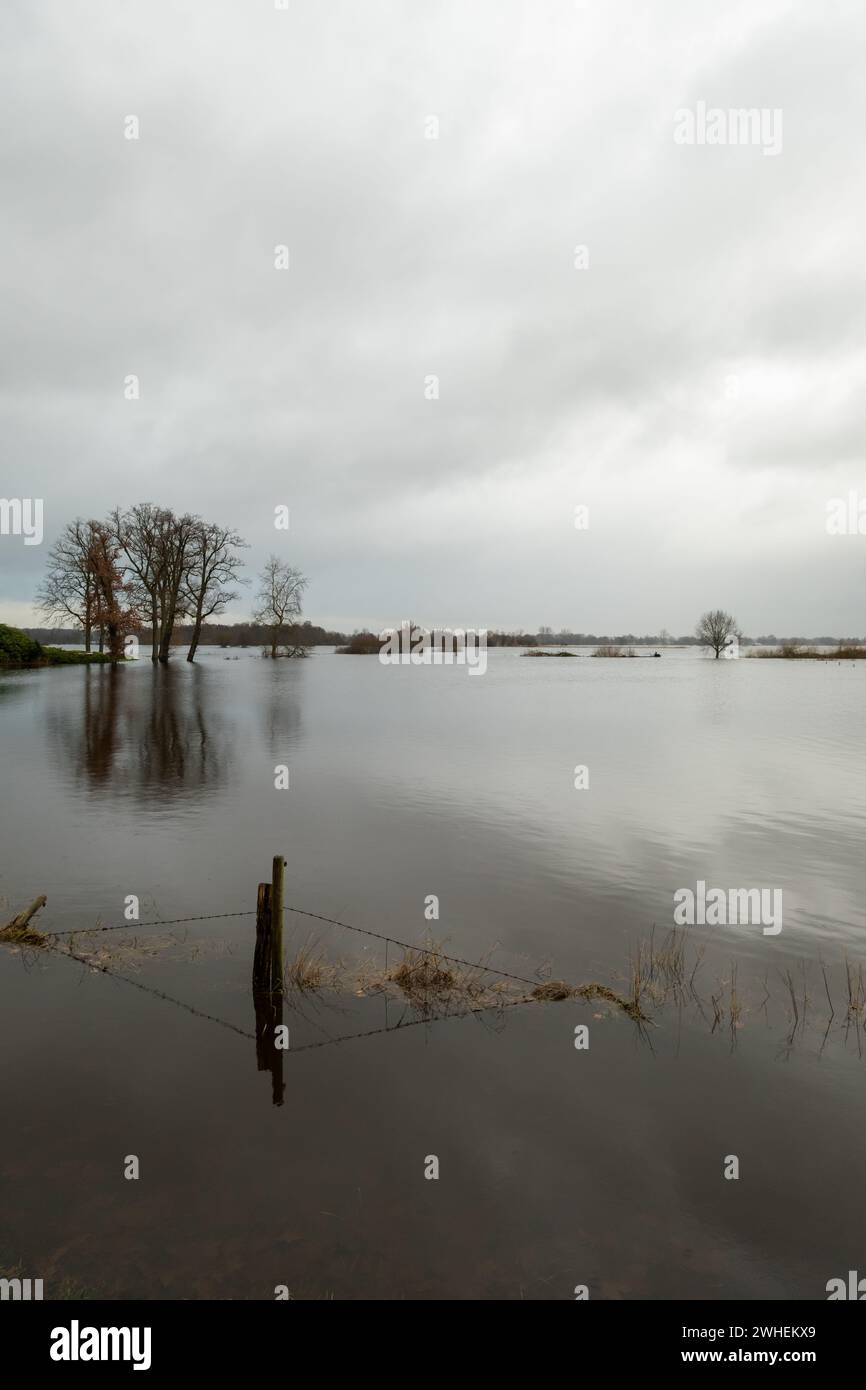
pixel 173 748
pixel 100 721
pixel 144 733
pixel 281 704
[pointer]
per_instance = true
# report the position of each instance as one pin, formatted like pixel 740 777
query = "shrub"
pixel 361 644
pixel 16 648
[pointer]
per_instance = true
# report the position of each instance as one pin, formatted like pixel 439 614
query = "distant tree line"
pixel 249 634
pixel 366 642
pixel 510 639
pixel 241 634
pixel 546 637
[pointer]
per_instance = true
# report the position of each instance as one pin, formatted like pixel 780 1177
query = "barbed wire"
pixel 160 922
pixel 151 989
pixel 302 912
pixel 329 1041
pixel 407 946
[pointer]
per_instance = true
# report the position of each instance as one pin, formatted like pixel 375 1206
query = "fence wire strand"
pixel 301 912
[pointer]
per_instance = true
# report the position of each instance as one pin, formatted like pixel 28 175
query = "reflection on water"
pixel 146 736
pixel 269 1055
pixel 281 709
pixel 558 1167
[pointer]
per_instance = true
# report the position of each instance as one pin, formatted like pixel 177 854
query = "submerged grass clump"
pixel 21 936
pixel 856 990
pixel 428 979
pixel 310 970
pixel 630 1007
pixel 553 990
pixel 92 948
pixel 423 974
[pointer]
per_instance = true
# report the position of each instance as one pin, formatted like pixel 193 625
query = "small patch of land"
pixel 361 644
pixel 789 651
pixel 19 650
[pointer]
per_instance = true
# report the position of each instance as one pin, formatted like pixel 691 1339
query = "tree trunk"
pixel 196 634
pixel 165 636
pixel 115 643
pixel 154 629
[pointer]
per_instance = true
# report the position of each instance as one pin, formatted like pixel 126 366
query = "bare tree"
pixel 715 630
pixel 113 611
pixel 213 566
pixel 138 533
pixel 69 589
pixel 281 589
pixel 175 544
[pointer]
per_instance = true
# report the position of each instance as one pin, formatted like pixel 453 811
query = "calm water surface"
pixel 557 1167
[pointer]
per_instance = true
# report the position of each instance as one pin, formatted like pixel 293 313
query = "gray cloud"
pixel 452 257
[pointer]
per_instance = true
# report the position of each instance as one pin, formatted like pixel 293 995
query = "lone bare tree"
pixel 69 587
pixel 213 566
pixel 281 589
pixel 715 630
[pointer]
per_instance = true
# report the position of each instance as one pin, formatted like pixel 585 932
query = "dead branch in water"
pixel 18 931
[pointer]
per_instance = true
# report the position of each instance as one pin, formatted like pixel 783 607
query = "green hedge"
pixel 17 649
pixel 63 656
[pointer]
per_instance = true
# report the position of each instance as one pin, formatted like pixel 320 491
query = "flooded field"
pixel 600 1165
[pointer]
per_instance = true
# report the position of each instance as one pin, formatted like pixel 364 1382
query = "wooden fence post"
pixel 277 902
pixel 263 953
pixel 267 988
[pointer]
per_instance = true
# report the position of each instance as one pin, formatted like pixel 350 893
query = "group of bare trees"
pixel 180 567
pixel 85 582
pixel 142 567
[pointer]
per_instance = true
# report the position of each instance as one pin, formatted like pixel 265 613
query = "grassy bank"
pixel 19 650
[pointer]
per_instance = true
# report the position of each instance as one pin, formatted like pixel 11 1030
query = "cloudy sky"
pixel 699 385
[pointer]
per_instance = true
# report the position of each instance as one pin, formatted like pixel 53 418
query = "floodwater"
pixel 601 1166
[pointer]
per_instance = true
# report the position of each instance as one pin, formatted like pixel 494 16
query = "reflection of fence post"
pixel 277 923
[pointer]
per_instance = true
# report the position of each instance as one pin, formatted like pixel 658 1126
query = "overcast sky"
pixel 699 385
